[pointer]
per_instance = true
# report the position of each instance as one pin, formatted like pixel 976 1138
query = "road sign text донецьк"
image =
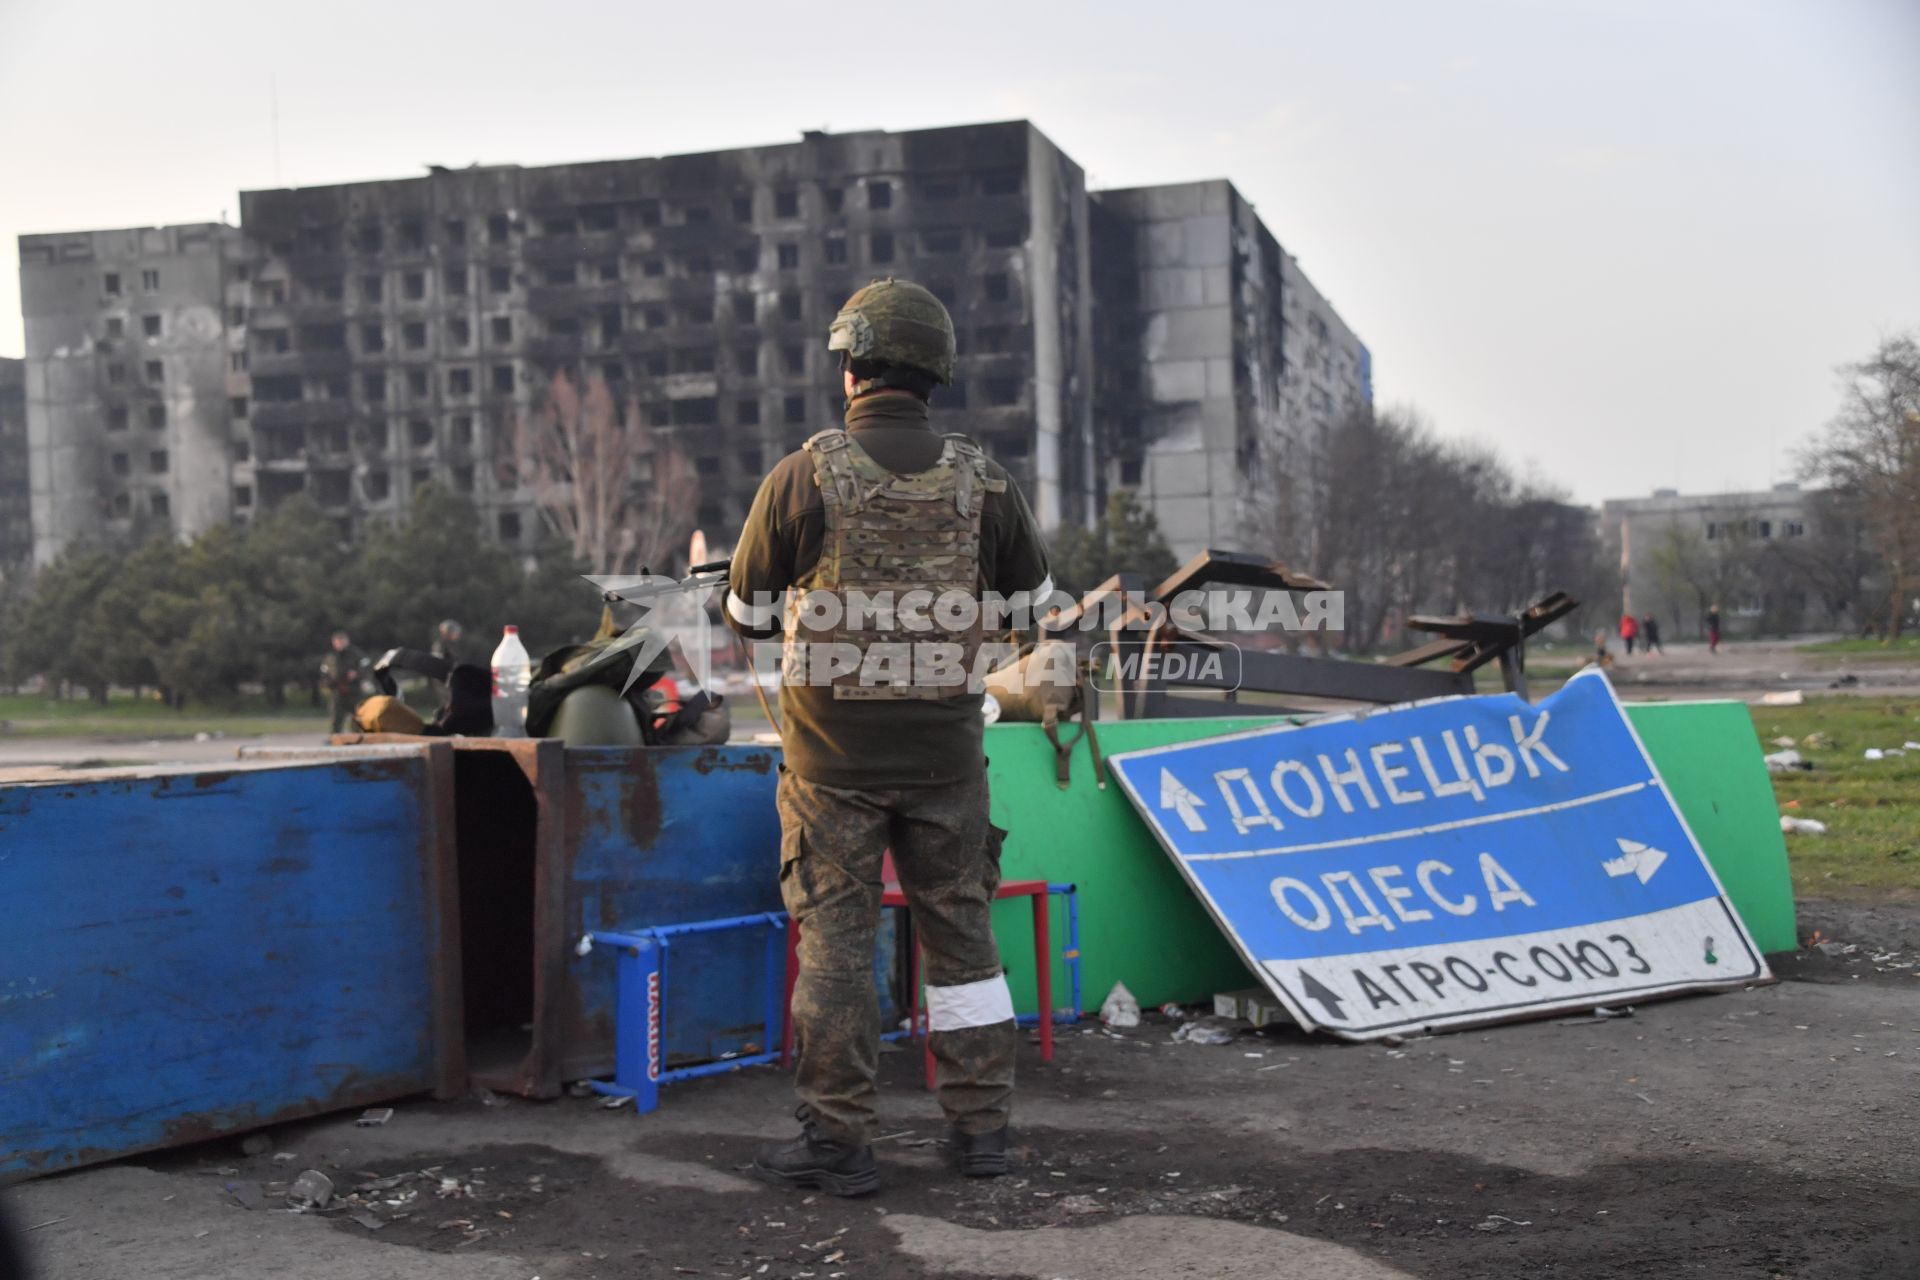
pixel 1451 862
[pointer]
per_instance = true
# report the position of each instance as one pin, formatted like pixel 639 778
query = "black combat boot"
pixel 980 1155
pixel 837 1168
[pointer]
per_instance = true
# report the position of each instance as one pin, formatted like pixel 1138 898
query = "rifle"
pixel 646 586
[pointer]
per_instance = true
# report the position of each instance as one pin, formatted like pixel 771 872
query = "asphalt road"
pixel 1763 1133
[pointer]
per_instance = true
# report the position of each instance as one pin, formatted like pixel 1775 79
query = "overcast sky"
pixel 1625 243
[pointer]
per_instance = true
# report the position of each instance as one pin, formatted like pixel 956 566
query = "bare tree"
pixel 1831 564
pixel 1406 522
pixel 1871 450
pixel 617 491
pixel 1692 571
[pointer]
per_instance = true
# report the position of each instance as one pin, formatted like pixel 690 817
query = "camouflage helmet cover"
pixel 896 322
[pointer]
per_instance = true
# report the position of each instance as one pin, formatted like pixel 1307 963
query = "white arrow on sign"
pixel 1635 859
pixel 1178 798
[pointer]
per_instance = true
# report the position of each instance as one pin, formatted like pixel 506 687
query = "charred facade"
pixel 351 343
pixel 1221 368
pixel 394 327
pixel 16 493
pixel 131 373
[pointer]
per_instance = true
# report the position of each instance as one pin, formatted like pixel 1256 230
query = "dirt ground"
pixel 1771 1132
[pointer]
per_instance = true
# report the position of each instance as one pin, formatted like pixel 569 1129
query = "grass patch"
pixel 125 716
pixel 1871 807
pixel 1859 648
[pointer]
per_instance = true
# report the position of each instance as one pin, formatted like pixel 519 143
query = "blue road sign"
pixel 1444 863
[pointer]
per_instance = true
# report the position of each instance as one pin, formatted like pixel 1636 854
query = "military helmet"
pixel 896 322
pixel 595 715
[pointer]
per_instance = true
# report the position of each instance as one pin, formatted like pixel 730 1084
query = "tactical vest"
pixel 887 535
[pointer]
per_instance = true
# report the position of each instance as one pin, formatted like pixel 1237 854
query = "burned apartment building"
pixel 353 342
pixel 16 493
pixel 131 375
pixel 1221 369
pixel 395 328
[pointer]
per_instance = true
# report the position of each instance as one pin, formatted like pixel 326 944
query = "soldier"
pixel 446 642
pixel 447 647
pixel 879 762
pixel 340 670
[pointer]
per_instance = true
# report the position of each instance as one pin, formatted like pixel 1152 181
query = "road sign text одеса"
pixel 1451 862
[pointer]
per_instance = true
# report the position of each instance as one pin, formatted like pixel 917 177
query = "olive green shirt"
pixel 856 743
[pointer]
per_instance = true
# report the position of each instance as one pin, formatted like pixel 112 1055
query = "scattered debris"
pixel 1802 826
pixel 614 1101
pixel 311 1190
pixel 1817 741
pixel 1209 1030
pixel 256 1144
pixel 368 1219
pixel 52 1222
pixel 285 1157
pixel 1599 1013
pixel 1846 681
pixel 247 1195
pixel 580 1089
pixel 374 1117
pixel 1783 697
pixel 1256 1005
pixel 1120 1009
pixel 1785 761
pixel 1785 742
pixel 584 947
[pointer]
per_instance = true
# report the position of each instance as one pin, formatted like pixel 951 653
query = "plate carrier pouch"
pixel 888 533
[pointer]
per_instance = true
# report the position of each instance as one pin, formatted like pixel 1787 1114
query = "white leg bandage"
pixel 972 1004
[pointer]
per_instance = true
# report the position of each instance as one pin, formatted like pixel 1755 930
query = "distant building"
pixel 16 493
pixel 1221 368
pixel 353 342
pixel 394 325
pixel 131 368
pixel 1758 555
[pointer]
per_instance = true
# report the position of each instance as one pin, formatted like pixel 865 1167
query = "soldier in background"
pixel 447 647
pixel 340 672
pixel 446 642
pixel 884 507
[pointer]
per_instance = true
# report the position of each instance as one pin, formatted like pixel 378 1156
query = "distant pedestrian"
pixel 1600 655
pixel 1629 628
pixel 340 671
pixel 1650 635
pixel 1713 628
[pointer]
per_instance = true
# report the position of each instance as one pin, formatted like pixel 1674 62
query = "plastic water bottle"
pixel 512 673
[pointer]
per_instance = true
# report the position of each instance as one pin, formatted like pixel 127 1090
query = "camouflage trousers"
pixel 947 855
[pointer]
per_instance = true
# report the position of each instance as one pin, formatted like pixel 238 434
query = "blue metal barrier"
pixel 641 995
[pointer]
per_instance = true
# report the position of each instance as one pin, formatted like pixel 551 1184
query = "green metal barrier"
pixel 1141 925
